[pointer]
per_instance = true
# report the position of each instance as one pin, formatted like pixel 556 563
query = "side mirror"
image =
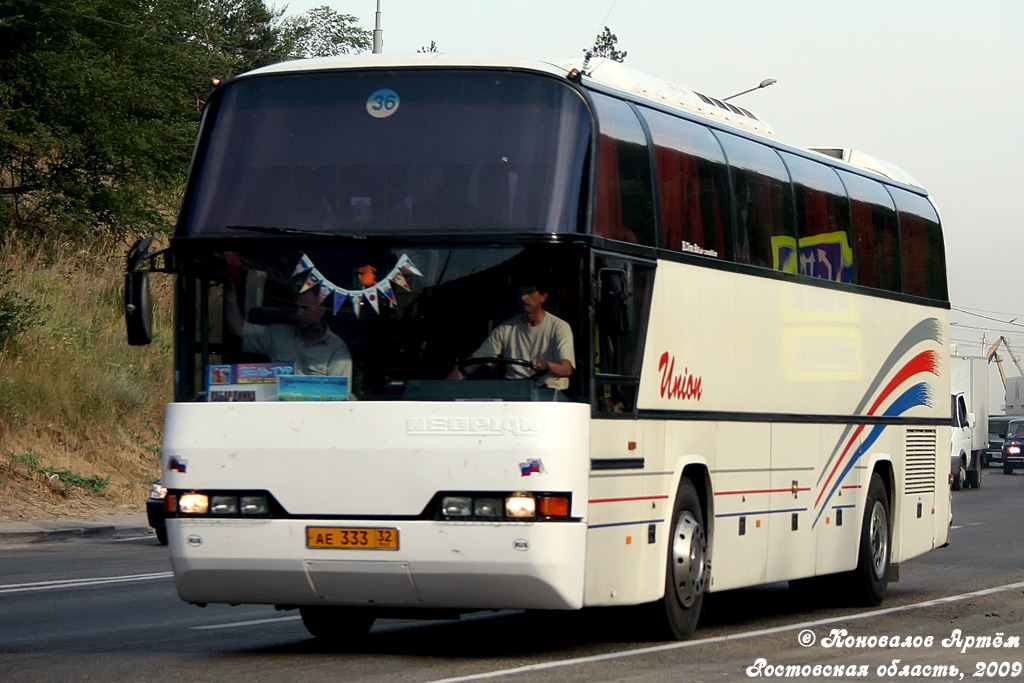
pixel 138 303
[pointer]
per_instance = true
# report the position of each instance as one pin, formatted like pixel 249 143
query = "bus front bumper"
pixel 448 565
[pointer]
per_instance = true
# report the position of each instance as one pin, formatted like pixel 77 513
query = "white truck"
pixel 969 413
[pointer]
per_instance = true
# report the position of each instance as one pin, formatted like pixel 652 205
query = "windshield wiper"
pixel 274 230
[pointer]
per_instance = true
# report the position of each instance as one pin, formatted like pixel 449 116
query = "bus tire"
pixel 686 572
pixel 867 583
pixel 337 624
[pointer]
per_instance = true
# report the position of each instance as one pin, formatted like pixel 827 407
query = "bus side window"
pixel 762 204
pixel 693 187
pixel 624 205
pixel 924 264
pixel 876 247
pixel 822 214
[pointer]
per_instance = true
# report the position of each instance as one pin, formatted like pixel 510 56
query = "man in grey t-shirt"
pixel 309 343
pixel 535 335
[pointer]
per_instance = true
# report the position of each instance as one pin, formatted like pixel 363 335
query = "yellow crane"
pixel 992 355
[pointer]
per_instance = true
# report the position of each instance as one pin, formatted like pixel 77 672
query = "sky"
pixel 934 86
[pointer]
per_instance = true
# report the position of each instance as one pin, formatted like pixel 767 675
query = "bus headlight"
pixel 520 505
pixel 254 506
pixel 497 506
pixel 487 507
pixel 224 506
pixel 193 504
pixel 457 506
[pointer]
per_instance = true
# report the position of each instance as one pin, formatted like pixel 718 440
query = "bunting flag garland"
pixel 404 263
pixel 305 264
pixel 339 299
pixel 312 280
pixel 399 279
pixel 371 294
pixel 385 289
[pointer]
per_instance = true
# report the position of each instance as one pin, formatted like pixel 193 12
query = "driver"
pixel 535 334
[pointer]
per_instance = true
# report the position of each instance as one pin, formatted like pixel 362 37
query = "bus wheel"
pixel 686 574
pixel 338 624
pixel 867 583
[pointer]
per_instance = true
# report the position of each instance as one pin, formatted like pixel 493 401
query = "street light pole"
pixel 378 34
pixel 763 84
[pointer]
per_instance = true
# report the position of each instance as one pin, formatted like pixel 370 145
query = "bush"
pixel 18 313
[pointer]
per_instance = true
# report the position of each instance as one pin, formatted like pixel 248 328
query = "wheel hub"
pixel 879 539
pixel 689 546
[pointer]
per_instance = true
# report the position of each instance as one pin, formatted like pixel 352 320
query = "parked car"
pixel 996 436
pixel 1013 447
pixel 155 511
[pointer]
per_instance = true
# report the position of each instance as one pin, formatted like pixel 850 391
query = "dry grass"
pixel 80 410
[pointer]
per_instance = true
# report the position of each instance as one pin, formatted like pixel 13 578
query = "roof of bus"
pixel 599 72
pixel 596 71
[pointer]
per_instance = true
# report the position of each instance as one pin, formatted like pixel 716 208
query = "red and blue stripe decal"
pixel 912 371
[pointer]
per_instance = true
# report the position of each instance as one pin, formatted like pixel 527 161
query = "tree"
pixel 322 32
pixel 98 113
pixel 604 46
pixel 100 102
pixel 247 30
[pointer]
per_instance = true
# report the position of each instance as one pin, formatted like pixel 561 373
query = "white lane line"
pixel 724 639
pixel 80 583
pixel 239 624
pixel 379 627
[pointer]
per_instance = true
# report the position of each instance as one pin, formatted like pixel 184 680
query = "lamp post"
pixel 763 84
pixel 378 34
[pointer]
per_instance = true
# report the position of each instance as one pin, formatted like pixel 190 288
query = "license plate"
pixel 359 538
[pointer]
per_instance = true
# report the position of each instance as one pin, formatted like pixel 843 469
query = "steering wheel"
pixel 500 364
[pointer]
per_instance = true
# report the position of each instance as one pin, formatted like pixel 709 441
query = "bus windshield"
pixel 388 152
pixel 398 320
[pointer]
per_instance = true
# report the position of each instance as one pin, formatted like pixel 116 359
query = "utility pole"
pixel 378 34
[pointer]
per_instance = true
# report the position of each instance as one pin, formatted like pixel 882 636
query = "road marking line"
pixel 378 628
pixel 80 583
pixel 723 639
pixel 238 624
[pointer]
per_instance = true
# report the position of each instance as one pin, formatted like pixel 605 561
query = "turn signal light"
pixel 553 506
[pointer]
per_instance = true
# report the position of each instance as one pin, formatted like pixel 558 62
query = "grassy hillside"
pixel 80 410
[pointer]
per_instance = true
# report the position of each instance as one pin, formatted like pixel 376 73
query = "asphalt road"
pixel 104 609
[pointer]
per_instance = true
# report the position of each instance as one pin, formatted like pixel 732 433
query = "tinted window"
pixel 822 220
pixel 876 240
pixel 762 204
pixel 465 151
pixel 406 314
pixel 997 427
pixel 624 207
pixel 923 254
pixel 693 187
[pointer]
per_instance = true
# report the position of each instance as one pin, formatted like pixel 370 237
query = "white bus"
pixel 761 362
